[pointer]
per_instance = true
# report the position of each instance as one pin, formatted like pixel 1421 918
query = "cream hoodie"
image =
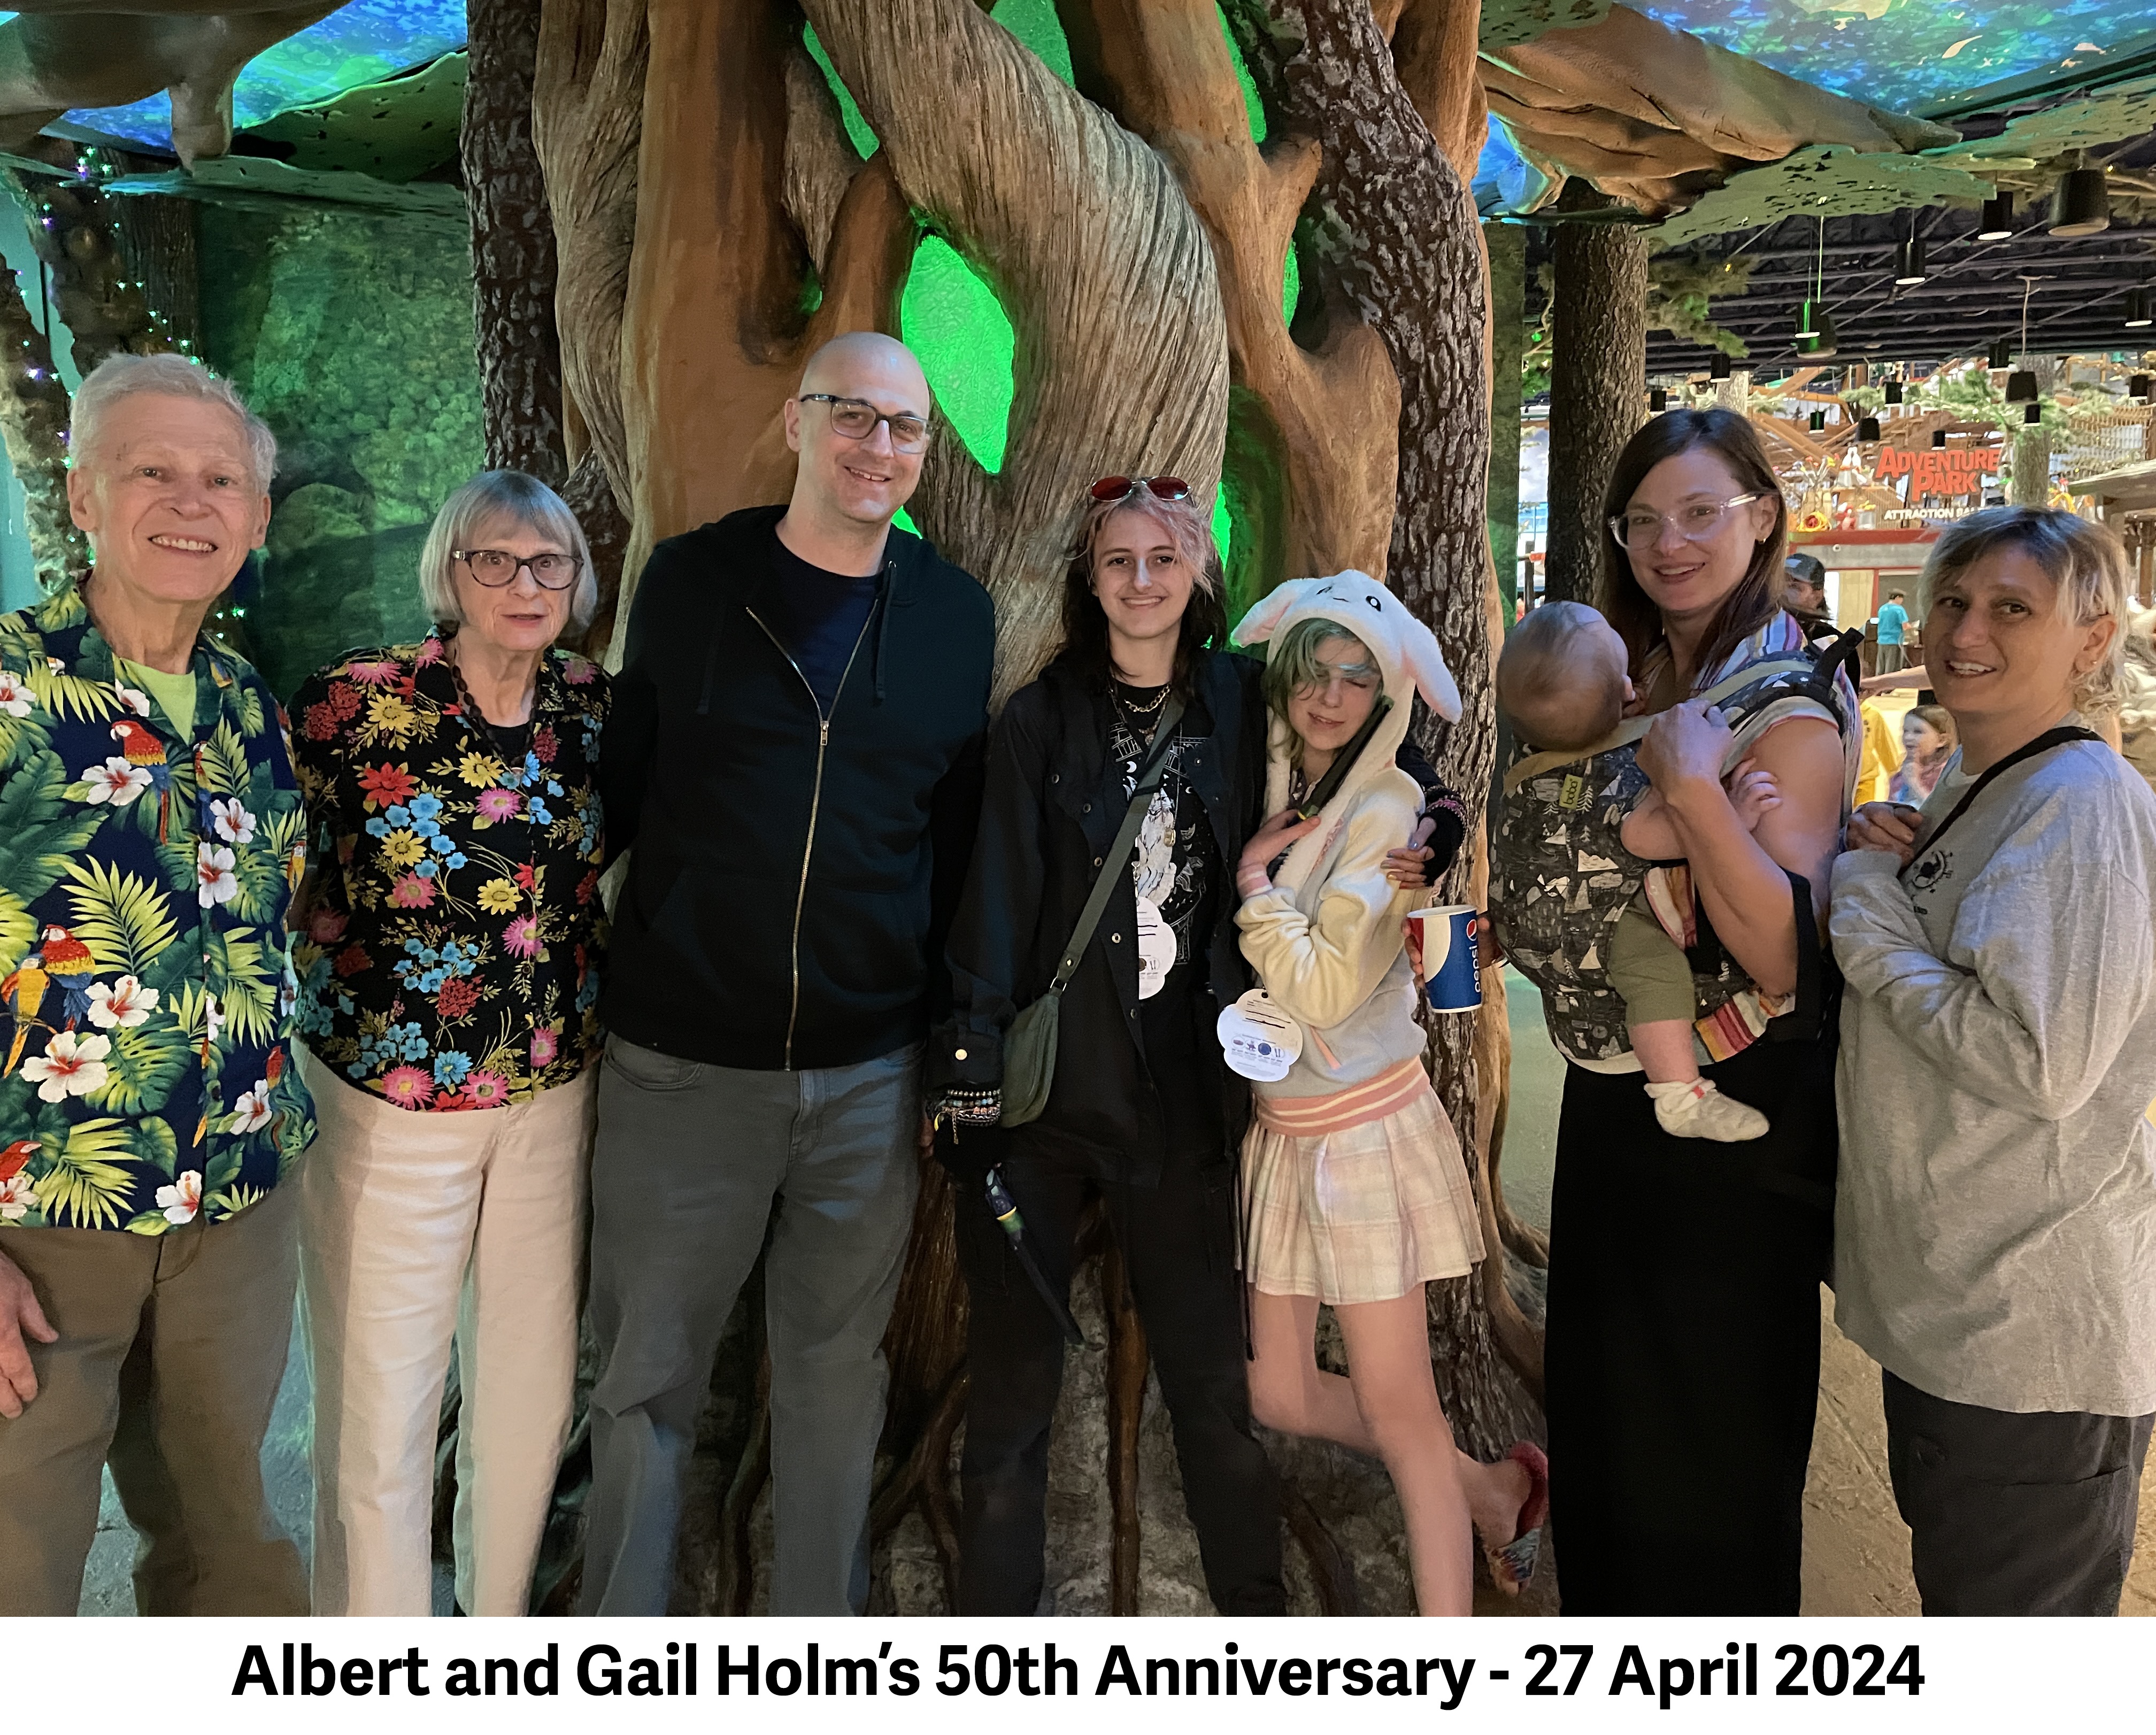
pixel 1326 940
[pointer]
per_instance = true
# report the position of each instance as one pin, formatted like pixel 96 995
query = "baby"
pixel 1562 681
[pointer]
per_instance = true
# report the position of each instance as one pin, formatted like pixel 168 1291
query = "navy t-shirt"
pixel 820 618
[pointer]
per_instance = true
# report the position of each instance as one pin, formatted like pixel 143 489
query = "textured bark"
pixel 33 419
pixel 73 228
pixel 1310 461
pixel 1598 384
pixel 587 121
pixel 513 264
pixel 589 494
pixel 1120 361
pixel 715 330
pixel 1390 234
pixel 1507 252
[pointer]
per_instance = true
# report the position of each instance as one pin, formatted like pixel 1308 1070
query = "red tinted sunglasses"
pixel 1122 487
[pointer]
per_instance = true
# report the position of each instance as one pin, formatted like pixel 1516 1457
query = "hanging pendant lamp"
pixel 1718 367
pixel 1658 400
pixel 2137 388
pixel 1893 391
pixel 2002 353
pixel 2137 309
pixel 1997 223
pixel 2080 203
pixel 1867 430
pixel 1938 440
pixel 2033 416
pixel 1909 261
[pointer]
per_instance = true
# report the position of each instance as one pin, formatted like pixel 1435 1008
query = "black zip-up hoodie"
pixel 794 875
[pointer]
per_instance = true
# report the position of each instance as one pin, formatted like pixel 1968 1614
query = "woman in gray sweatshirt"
pixel 1996 1231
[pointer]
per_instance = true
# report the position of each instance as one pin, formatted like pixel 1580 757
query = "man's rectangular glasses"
pixel 857 420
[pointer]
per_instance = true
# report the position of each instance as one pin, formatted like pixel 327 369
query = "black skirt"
pixel 1683 1348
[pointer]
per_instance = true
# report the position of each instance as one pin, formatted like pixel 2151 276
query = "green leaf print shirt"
pixel 146 982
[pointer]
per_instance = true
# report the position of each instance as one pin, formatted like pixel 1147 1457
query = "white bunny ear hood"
pixel 1407 656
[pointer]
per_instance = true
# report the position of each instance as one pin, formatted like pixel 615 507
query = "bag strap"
pixel 2044 743
pixel 1150 772
pixel 1633 728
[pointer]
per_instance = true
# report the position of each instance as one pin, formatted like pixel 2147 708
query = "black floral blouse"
pixel 450 947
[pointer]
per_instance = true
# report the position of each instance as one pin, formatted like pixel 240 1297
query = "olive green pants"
pixel 171 1350
pixel 1648 968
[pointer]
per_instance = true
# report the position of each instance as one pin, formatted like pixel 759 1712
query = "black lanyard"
pixel 2044 743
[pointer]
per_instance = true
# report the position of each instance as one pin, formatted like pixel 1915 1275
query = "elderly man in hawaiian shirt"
pixel 151 830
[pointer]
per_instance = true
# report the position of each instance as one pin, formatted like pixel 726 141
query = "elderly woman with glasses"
pixel 450 940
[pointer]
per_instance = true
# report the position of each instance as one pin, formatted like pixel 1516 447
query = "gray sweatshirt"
pixel 1995 1227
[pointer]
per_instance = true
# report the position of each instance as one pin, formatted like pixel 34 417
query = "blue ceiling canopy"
pixel 361 43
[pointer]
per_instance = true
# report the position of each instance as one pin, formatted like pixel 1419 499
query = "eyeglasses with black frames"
pixel 857 420
pixel 495 567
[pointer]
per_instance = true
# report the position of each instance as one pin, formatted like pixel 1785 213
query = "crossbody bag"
pixel 1029 1045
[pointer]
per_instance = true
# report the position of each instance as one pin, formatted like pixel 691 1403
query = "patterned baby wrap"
pixel 1561 877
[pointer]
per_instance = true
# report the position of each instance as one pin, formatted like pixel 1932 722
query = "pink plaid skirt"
pixel 1360 1214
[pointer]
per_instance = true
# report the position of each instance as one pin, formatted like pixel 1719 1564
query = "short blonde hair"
pixel 490 496
pixel 2087 562
pixel 119 377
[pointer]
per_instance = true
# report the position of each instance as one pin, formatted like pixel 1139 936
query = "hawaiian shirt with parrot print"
pixel 449 952
pixel 147 988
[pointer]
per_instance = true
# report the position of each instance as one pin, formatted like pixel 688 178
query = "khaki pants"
pixel 419 1229
pixel 171 1350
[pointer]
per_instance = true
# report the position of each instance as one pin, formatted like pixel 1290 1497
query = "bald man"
pixel 795 750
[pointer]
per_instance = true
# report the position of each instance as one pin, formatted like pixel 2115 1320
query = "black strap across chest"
pixel 2044 743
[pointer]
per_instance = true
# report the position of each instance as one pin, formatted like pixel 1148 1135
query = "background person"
pixel 1683 1323
pixel 1894 624
pixel 1995 1246
pixel 795 749
pixel 149 1112
pixel 1928 742
pixel 449 977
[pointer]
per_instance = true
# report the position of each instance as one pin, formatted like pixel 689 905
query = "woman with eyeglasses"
pixel 1141 1112
pixel 1683 1323
pixel 449 934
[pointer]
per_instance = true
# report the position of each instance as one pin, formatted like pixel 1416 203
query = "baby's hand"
pixel 1753 792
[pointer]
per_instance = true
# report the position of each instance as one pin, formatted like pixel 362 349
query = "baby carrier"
pixel 1561 877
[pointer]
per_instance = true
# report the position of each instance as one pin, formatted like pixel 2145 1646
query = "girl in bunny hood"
pixel 1355 1190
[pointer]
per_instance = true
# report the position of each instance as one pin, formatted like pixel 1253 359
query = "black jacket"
pixel 792 878
pixel 1050 808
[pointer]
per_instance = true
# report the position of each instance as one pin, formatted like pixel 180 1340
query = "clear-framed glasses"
pixel 1122 487
pixel 495 567
pixel 1696 520
pixel 856 420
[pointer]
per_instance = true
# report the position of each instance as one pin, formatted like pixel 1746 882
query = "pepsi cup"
pixel 1441 947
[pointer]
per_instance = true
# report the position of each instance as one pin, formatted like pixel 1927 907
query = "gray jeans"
pixel 691 1163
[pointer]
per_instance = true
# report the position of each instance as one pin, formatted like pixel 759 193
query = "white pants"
pixel 418 1228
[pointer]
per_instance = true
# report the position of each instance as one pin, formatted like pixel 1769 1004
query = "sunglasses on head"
pixel 1122 487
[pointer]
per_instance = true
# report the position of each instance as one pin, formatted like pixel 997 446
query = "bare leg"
pixel 1663 1046
pixel 1289 1391
pixel 1389 1360
pixel 1387 1409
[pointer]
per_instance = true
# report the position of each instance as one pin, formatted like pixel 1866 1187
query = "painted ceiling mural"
pixel 360 44
pixel 1910 55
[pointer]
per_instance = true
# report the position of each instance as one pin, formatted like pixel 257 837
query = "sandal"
pixel 1513 1565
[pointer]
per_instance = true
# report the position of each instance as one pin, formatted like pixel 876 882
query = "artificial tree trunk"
pixel 1507 245
pixel 33 421
pixel 1597 380
pixel 1140 285
pixel 513 265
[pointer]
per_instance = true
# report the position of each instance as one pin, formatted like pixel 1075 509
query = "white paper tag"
pixel 1156 949
pixel 1260 1040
